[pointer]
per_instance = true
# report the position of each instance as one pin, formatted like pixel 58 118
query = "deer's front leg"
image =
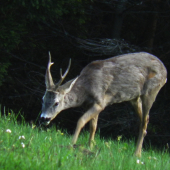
pixel 93 126
pixel 90 114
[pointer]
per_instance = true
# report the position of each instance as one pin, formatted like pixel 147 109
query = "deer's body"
pixel 134 77
pixel 118 79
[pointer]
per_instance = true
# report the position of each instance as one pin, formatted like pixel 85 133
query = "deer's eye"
pixel 56 104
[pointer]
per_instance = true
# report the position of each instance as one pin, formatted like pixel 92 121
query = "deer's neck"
pixel 75 97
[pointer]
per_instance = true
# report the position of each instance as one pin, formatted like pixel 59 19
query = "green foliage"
pixel 25 23
pixel 26 147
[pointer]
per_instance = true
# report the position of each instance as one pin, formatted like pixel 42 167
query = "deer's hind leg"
pixel 137 104
pixel 142 106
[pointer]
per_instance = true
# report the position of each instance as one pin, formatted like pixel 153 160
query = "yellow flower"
pixel 33 126
pixel 119 137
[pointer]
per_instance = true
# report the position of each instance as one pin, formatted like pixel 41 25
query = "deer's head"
pixel 53 100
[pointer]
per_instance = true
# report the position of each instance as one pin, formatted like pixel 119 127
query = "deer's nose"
pixel 45 120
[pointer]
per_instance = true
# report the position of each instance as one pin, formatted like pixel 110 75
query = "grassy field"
pixel 23 146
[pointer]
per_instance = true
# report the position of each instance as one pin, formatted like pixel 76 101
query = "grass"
pixel 23 146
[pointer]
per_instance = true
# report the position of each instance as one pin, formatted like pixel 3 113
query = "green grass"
pixel 51 149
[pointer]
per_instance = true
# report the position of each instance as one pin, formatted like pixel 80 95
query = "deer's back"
pixel 123 77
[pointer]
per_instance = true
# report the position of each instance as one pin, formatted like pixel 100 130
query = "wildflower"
pixel 22 137
pixel 119 137
pixel 33 126
pixel 22 144
pixel 139 162
pixel 8 131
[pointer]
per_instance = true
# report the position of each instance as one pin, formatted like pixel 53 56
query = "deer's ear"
pixel 68 86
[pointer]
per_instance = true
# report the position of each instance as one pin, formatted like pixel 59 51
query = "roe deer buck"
pixel 134 77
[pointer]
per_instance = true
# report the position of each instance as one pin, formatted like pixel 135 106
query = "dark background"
pixel 83 30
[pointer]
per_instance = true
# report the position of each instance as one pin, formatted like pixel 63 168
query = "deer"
pixel 134 77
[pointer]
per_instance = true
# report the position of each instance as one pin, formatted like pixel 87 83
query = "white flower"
pixel 22 137
pixel 8 131
pixel 22 144
pixel 139 162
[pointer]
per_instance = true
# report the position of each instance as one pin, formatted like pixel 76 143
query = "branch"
pixel 106 46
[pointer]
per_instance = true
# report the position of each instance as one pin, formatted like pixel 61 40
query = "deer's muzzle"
pixel 44 120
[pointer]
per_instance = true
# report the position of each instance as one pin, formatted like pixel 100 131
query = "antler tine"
pixel 49 62
pixel 48 78
pixel 65 74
